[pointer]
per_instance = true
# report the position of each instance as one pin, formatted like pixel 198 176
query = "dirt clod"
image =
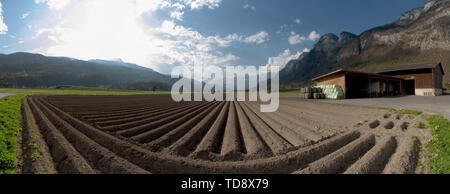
pixel 374 124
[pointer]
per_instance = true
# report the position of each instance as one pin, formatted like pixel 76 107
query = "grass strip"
pixel 438 145
pixel 78 91
pixel 403 111
pixel 9 130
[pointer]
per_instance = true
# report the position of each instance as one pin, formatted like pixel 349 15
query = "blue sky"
pixel 161 34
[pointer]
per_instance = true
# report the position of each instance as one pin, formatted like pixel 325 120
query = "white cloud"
pixel 81 33
pixel 313 36
pixel 306 50
pixel 3 26
pixel 297 21
pixel 248 6
pixel 4 46
pixel 257 38
pixel 177 12
pixel 25 15
pixel 234 37
pixel 294 38
pixel 177 15
pixel 54 4
pixel 197 4
pixel 282 59
pixel 145 6
pixel 20 42
pixel 142 5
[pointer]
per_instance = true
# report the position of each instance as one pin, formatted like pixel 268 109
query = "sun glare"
pixel 104 30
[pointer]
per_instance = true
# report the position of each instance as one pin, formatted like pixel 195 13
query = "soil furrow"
pixel 405 158
pixel 148 132
pixel 337 162
pixel 232 146
pixel 187 144
pixel 131 118
pixel 36 155
pixel 67 159
pixel 254 145
pixel 276 143
pixel 134 114
pixel 152 121
pixel 212 141
pixel 374 161
pixel 314 125
pixel 286 132
pixel 103 160
pixel 174 135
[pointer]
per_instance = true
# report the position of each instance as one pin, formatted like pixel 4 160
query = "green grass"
pixel 78 91
pixel 84 88
pixel 439 145
pixel 403 111
pixel 421 125
pixel 9 130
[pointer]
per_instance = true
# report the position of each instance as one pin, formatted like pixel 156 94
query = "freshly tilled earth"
pixel 153 134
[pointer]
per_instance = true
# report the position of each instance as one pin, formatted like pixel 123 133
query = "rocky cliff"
pixel 420 35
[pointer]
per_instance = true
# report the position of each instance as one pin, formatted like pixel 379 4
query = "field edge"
pixel 10 127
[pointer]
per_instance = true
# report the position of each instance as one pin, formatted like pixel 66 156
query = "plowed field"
pixel 153 134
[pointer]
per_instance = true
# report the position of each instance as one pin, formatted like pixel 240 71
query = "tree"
pixel 154 88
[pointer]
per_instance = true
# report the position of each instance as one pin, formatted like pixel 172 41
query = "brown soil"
pixel 153 134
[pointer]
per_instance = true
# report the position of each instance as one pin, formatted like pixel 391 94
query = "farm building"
pixel 416 79
pixel 426 78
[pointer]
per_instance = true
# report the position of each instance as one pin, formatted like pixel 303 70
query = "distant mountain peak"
pixel 346 37
pixel 121 63
pixel 329 36
pixel 327 42
pixel 118 60
pixel 415 14
pixel 25 53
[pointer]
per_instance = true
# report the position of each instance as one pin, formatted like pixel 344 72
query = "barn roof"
pixel 412 67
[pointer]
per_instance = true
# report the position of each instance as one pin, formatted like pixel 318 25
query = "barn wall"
pixel 423 80
pixel 338 79
pixel 437 77
pixel 429 92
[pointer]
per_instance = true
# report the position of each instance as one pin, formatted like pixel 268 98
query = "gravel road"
pixel 4 95
pixel 430 104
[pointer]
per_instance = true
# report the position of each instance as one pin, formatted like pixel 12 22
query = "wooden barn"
pixel 415 79
pixel 419 79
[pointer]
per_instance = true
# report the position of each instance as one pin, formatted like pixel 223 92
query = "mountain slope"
pixel 34 70
pixel 120 63
pixel 420 35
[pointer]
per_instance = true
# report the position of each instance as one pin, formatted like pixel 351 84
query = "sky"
pixel 162 34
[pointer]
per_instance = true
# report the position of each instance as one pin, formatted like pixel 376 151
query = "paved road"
pixel 4 95
pixel 429 104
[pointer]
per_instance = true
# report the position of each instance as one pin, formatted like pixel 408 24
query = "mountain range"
pixel 20 70
pixel 420 35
